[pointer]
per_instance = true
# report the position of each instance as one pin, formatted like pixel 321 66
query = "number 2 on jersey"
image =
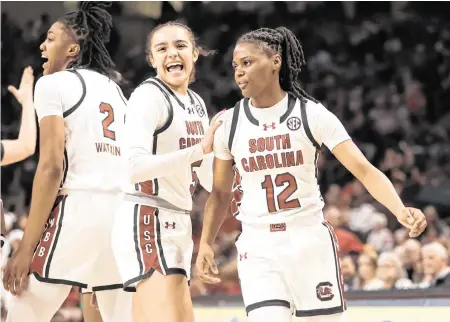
pixel 280 180
pixel 107 108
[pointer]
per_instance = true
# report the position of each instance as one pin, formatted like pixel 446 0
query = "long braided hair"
pixel 282 41
pixel 91 26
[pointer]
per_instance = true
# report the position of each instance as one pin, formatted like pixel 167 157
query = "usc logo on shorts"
pixel 324 291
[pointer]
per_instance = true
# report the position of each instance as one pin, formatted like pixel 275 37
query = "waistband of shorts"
pixel 298 221
pixel 154 201
pixel 67 192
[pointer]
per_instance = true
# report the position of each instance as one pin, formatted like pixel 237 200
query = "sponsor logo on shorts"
pixel 242 256
pixel 324 291
pixel 168 225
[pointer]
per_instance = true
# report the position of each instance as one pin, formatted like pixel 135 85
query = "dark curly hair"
pixel 282 41
pixel 91 25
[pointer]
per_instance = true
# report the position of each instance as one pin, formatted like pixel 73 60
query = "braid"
pixel 282 41
pixel 92 26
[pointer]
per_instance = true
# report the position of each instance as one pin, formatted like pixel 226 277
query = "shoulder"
pixel 320 117
pixel 315 108
pixel 60 81
pixel 148 89
pixel 227 116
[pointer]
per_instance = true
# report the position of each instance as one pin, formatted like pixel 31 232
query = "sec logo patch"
pixel 294 123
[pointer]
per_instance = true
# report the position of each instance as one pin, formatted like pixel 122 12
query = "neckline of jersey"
pixel 291 103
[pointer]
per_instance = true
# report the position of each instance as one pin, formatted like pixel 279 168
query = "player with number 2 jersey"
pixel 77 186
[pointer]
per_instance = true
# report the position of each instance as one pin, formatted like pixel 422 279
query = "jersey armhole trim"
pixel 170 117
pixel 234 124
pixel 306 125
pixel 291 103
pixel 168 89
pixel 83 85
pixel 121 95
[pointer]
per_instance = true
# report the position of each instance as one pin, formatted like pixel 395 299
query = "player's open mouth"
pixel 44 59
pixel 175 67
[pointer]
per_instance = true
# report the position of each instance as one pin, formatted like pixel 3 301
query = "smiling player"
pixel 166 134
pixel 288 257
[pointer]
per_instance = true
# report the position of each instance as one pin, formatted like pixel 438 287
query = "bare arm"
pixel 25 145
pixel 373 179
pixel 147 111
pixel 47 180
pixel 217 204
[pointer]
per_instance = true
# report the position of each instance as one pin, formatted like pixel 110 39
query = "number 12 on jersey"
pixel 283 196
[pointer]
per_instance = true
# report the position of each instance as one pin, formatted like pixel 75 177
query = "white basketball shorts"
pixel 75 247
pixel 148 239
pixel 293 264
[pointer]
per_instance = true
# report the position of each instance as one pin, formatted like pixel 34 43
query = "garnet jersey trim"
pixel 83 84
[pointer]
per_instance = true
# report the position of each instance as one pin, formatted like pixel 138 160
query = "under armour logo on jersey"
pixel 267 126
pixel 242 256
pixel 294 123
pixel 168 225
pixel 190 110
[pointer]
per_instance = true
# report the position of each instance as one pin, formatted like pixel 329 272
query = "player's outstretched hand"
pixel 414 220
pixel 208 139
pixel 25 92
pixel 205 265
pixel 15 275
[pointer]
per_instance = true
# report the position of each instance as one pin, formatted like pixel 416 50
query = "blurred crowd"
pixel 383 68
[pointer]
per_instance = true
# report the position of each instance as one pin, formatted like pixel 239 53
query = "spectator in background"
pixel 367 272
pixel 380 237
pixel 412 260
pixel 361 211
pixel 348 270
pixel 400 236
pixel 436 228
pixel 348 241
pixel 436 266
pixel 391 273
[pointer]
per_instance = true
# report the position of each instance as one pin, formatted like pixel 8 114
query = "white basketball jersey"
pixel 184 127
pixel 93 108
pixel 275 157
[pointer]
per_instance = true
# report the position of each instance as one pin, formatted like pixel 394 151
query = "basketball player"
pixel 81 114
pixel 166 134
pixel 288 257
pixel 12 151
